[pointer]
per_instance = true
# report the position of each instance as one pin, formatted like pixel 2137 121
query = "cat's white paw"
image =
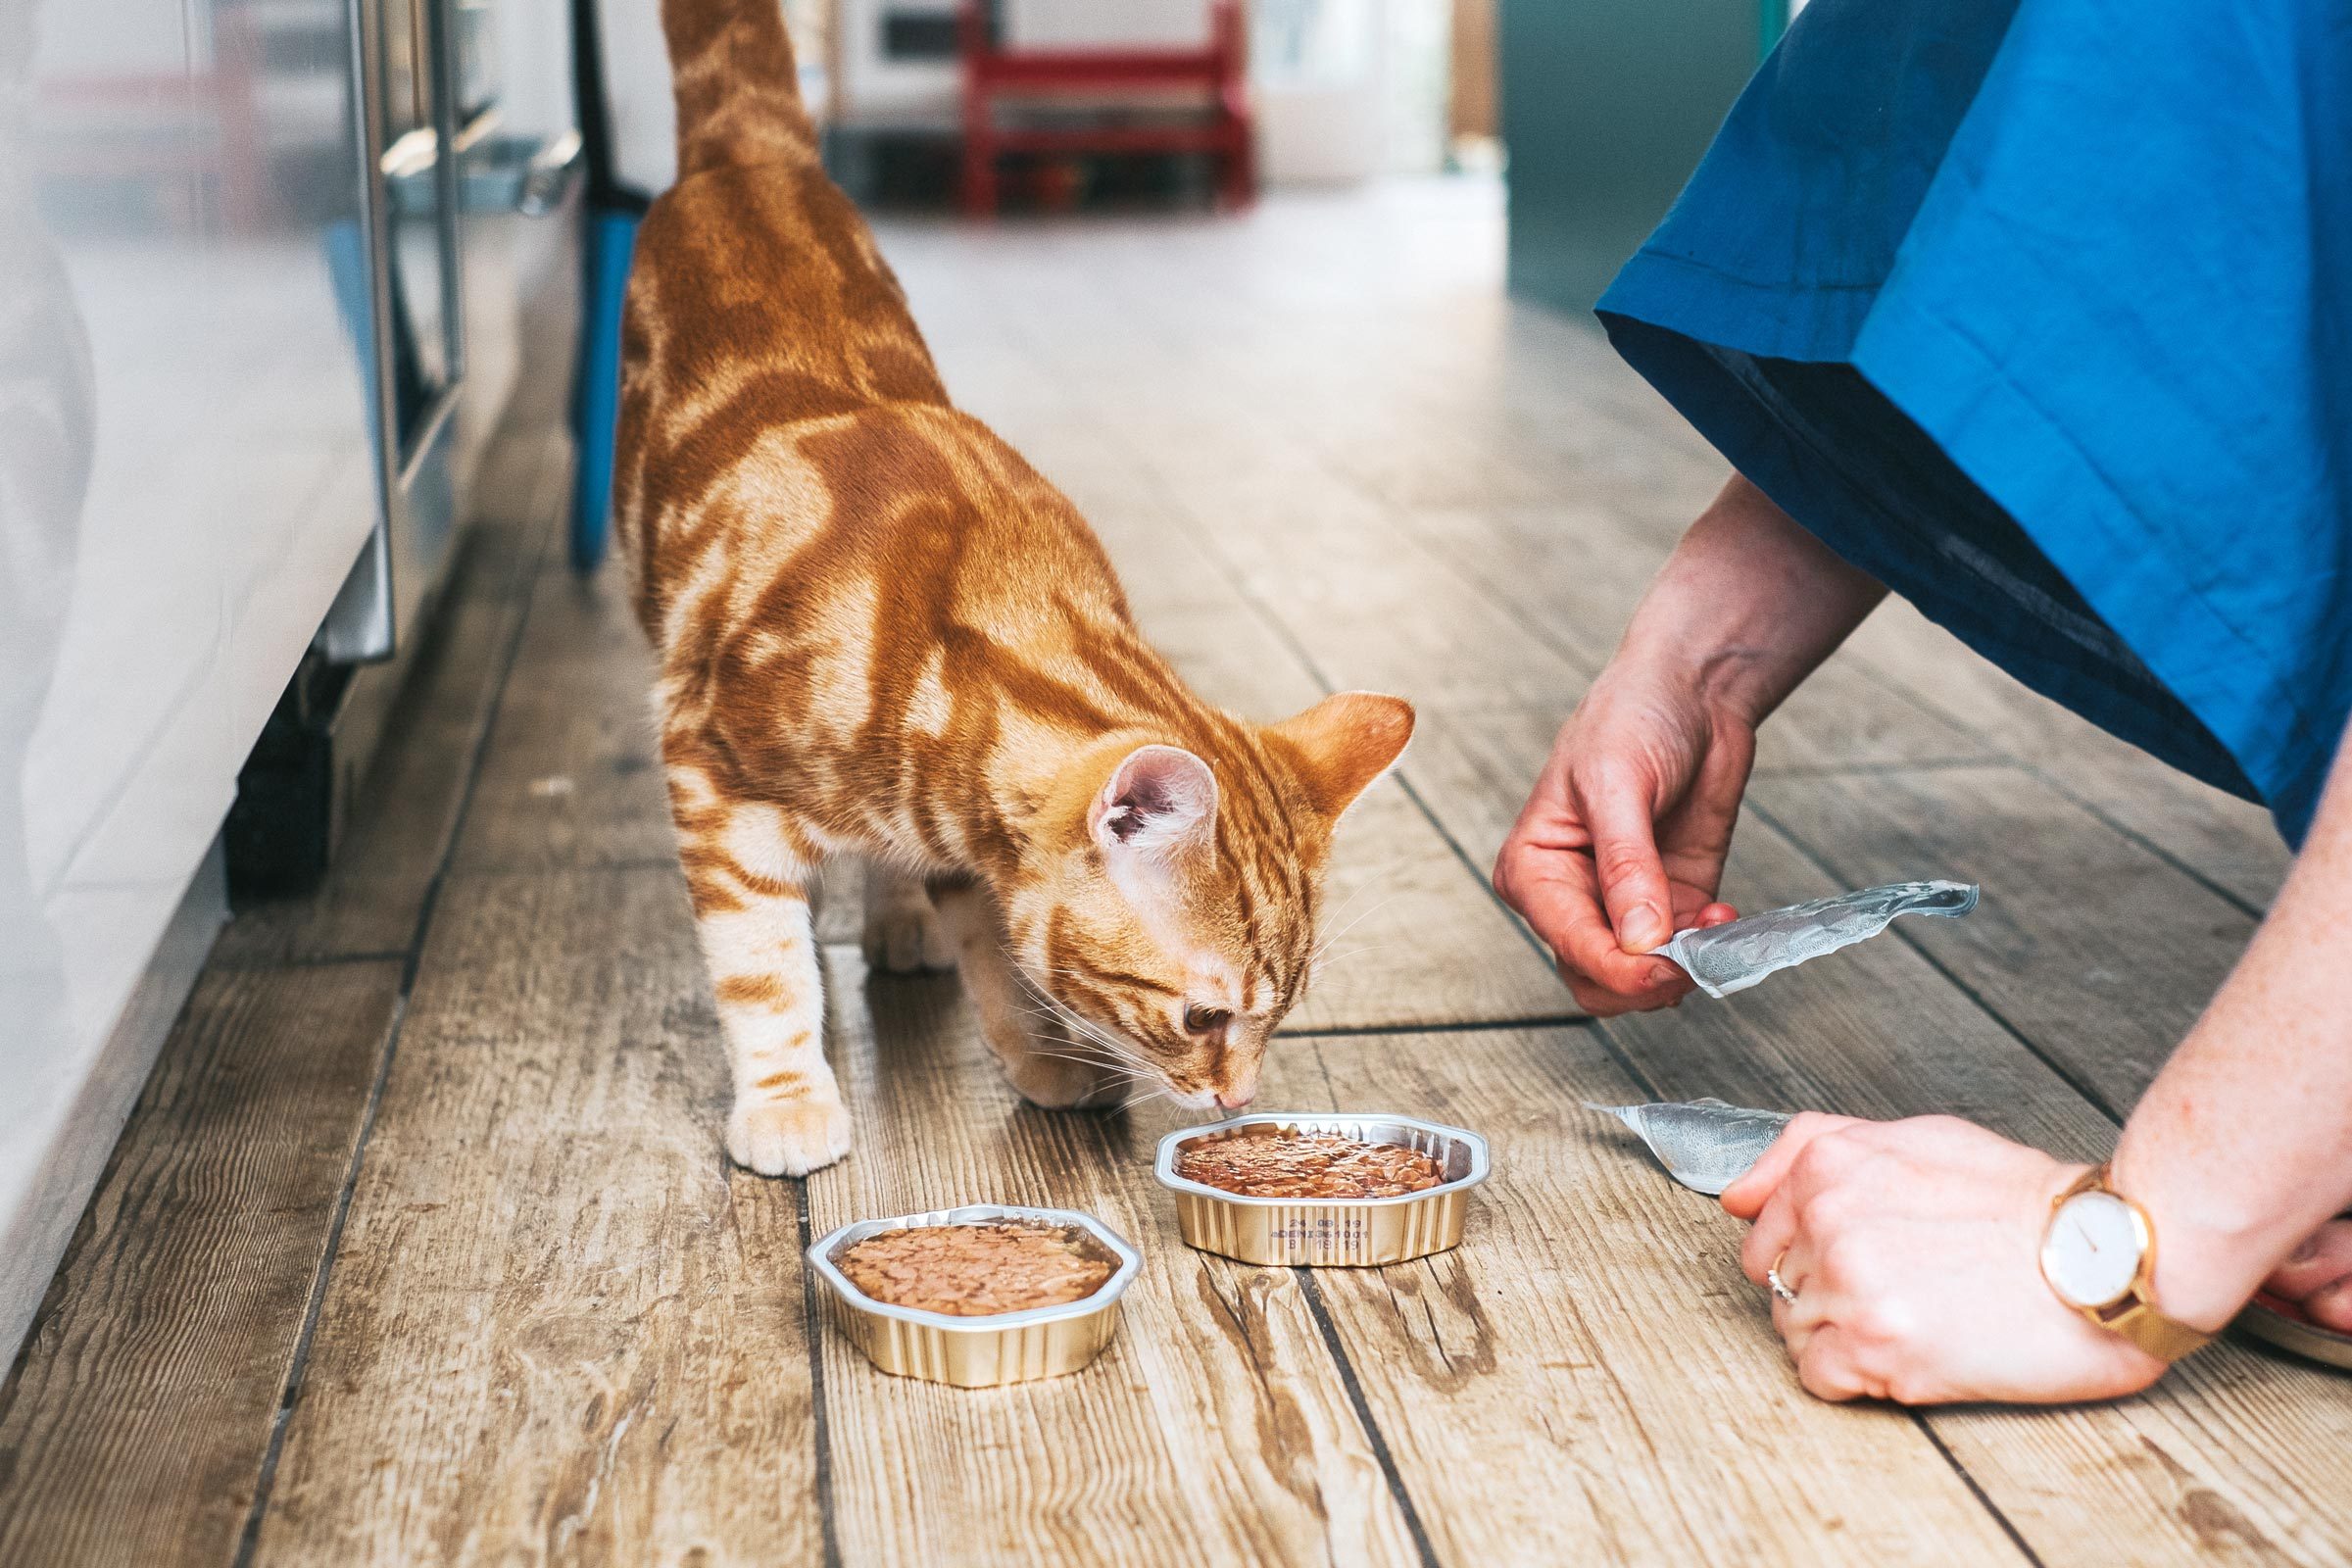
pixel 905 938
pixel 790 1139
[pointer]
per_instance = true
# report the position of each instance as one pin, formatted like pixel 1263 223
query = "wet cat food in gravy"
pixel 976 1270
pixel 1263 1162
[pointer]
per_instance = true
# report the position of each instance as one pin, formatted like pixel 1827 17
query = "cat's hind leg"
pixel 748 870
pixel 1042 1060
pixel 902 933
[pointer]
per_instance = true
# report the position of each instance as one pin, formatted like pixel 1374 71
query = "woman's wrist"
pixel 1725 677
pixel 2216 1242
pixel 1746 607
pixel 2238 1149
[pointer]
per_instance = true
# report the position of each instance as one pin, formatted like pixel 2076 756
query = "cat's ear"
pixel 1158 799
pixel 1345 741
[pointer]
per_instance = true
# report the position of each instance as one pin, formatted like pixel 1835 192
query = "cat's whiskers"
pixel 1087 1029
pixel 1325 962
pixel 1324 947
pixel 1144 1096
pixel 1088 1059
pixel 1359 891
pixel 1091 1050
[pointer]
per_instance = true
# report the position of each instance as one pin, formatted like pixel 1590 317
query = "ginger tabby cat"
pixel 880 632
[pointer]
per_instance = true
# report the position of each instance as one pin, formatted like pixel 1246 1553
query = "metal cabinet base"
pixel 285 820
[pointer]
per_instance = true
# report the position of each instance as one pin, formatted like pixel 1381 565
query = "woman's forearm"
pixel 1749 602
pixel 2243 1145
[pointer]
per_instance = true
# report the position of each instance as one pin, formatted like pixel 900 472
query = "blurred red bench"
pixel 1112 99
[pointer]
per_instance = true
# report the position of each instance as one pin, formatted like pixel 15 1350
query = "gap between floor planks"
pixel 1405 1030
pixel 477 751
pixel 1101 437
pixel 264 989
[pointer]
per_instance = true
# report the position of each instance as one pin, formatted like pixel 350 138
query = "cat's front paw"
pixel 788 1140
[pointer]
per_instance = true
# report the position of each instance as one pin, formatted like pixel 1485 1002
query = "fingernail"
pixel 1642 929
pixel 1664 974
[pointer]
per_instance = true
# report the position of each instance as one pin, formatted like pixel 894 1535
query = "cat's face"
pixel 1172 921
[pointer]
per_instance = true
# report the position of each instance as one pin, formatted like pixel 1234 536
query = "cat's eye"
pixel 1200 1020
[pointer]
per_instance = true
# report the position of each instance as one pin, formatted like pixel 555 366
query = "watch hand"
pixel 2083 1230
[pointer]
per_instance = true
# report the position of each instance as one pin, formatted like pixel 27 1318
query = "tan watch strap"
pixel 2135 1316
pixel 2163 1338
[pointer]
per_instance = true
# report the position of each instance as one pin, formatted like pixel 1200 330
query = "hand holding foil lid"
pixel 1734 956
pixel 1703 1144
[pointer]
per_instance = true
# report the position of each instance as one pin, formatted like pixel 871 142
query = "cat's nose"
pixel 1236 1098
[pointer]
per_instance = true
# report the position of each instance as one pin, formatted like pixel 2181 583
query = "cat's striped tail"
pixel 738 91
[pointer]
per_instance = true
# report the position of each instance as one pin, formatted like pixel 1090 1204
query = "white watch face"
pixel 2090 1254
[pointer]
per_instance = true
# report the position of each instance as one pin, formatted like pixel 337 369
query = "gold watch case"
pixel 2132 1312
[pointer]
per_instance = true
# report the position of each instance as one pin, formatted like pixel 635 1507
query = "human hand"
pixel 1622 841
pixel 1913 1252
pixel 2317 1276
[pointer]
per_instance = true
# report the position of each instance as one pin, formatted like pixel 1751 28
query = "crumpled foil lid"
pixel 1703 1144
pixel 1734 956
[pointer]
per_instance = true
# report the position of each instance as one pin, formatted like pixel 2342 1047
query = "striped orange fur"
pixel 881 633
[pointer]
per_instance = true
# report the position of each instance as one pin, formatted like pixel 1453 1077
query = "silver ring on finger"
pixel 1780 1286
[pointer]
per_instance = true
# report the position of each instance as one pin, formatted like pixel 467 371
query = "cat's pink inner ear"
pixel 1345 741
pixel 1159 797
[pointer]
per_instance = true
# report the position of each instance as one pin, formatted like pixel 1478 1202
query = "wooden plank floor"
pixel 421 1245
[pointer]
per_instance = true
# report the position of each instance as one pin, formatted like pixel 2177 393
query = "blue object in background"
pixel 2040 311
pixel 611 240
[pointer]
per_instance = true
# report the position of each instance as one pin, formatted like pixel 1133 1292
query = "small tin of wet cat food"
pixel 1328 1231
pixel 980 1350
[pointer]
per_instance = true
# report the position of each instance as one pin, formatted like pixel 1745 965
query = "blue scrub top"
pixel 2041 312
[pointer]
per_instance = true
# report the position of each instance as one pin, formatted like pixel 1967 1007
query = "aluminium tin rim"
pixel 1107 1294
pixel 1163 1166
pixel 2293 1332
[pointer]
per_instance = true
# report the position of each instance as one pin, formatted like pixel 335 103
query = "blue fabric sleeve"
pixel 2099 255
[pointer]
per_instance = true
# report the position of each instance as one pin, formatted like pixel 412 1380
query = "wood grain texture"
pixel 2096 950
pixel 1604 444
pixel 1880 1031
pixel 1552 479
pixel 2221 839
pixel 1415 936
pixel 1589 1377
pixel 134 1427
pixel 1568 575
pixel 572 778
pixel 1322 449
pixel 2237 1453
pixel 558 1328
pixel 1474 767
pixel 2168 1478
pixel 1216 1429
pixel 1367 607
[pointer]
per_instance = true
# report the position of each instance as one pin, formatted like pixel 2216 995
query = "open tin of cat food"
pixel 1328 1231
pixel 974 1347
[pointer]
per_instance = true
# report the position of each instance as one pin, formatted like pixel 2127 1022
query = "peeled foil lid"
pixel 1703 1144
pixel 1734 956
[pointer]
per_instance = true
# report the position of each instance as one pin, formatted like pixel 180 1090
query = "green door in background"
pixel 1607 107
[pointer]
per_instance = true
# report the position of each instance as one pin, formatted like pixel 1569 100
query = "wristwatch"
pixel 2099 1255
